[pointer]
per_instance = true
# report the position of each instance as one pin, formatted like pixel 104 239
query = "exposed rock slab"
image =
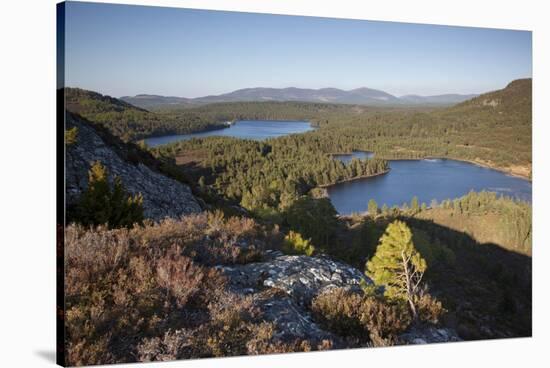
pixel 292 321
pixel 429 335
pixel 301 277
pixel 298 279
pixel 162 196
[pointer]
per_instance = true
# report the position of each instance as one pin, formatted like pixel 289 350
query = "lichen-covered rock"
pixel 292 321
pixel 162 196
pixel 301 277
pixel 294 282
pixel 428 335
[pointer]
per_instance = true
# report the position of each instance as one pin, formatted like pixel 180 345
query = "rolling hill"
pixel 130 122
pixel 359 96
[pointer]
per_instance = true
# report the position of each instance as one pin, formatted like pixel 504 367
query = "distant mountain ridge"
pixel 358 96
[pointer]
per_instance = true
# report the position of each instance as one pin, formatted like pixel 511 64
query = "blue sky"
pixel 125 50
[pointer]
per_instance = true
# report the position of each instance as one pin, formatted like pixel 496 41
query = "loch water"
pixel 426 179
pixel 245 129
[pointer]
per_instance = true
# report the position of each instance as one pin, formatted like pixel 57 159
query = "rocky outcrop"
pixel 301 277
pixel 298 279
pixel 292 321
pixel 429 335
pixel 162 196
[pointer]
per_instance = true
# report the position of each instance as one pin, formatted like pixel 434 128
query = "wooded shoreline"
pixel 481 164
pixel 355 178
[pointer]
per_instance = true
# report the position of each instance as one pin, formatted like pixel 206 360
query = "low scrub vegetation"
pixel 365 318
pixel 150 293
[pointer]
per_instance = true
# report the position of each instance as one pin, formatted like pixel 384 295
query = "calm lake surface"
pixel 346 158
pixel 246 129
pixel 427 179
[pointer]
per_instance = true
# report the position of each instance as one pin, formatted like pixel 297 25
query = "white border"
pixel 27 200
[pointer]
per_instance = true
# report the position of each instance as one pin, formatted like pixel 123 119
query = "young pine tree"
pixel 295 244
pixel 71 136
pixel 100 205
pixel 415 207
pixel 372 207
pixel 397 265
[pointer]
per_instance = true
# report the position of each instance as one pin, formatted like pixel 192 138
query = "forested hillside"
pixel 493 129
pixel 265 177
pixel 129 122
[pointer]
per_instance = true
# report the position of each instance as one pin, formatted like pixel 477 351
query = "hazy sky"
pixel 125 50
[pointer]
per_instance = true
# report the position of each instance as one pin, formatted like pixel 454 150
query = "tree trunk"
pixel 409 285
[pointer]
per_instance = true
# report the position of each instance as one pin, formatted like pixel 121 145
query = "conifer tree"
pixel 372 207
pixel 94 202
pixel 295 244
pixel 415 207
pixel 100 205
pixel 71 136
pixel 397 265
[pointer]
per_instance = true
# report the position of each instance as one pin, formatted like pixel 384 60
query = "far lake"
pixel 246 129
pixel 346 158
pixel 427 179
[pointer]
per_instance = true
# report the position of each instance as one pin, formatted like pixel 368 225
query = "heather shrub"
pixel 90 255
pixel 170 232
pixel 429 308
pixel 179 276
pixel 339 310
pixel 215 222
pixel 383 319
pixel 236 328
pixel 206 238
pixel 280 347
pixel 231 326
pixel 263 343
pixel 84 352
pixel 230 336
pixel 234 320
pixel 367 318
pixel 172 345
pixel 148 292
